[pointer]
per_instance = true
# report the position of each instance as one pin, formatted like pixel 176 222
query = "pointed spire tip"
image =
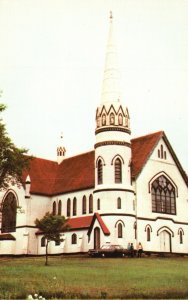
pixel 111 16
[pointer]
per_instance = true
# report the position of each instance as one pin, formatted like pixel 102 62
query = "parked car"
pixel 109 251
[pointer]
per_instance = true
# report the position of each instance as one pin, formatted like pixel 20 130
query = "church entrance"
pixel 165 241
pixel 96 238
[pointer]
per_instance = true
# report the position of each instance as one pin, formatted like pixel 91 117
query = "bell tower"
pixel 112 147
pixel 61 151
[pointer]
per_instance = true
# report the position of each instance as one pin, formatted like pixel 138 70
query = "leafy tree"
pixel 12 159
pixel 51 227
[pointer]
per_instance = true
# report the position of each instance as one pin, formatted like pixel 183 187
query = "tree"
pixel 12 159
pixel 51 226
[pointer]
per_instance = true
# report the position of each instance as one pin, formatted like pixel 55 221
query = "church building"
pixel 122 191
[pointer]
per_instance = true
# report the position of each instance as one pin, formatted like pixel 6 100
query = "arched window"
pixel 98 204
pixel 9 213
pixel 112 119
pixel 120 230
pixel 103 119
pixel 119 203
pixel 120 119
pixel 59 207
pixel 84 208
pixel 54 208
pixel 163 196
pixel 118 171
pixel 43 241
pixel 135 230
pixel 98 121
pixel 74 210
pixel 126 121
pixel 180 233
pixel 162 151
pixel 91 204
pixel 181 237
pixel 148 232
pixel 100 172
pixel 74 238
pixel 68 207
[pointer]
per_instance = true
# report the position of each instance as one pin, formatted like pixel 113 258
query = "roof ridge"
pixel 148 135
pixel 76 155
pixel 44 159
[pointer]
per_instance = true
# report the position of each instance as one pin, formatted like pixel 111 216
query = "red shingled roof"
pixel 80 222
pixel 78 172
pixel 142 148
pixel 102 225
pixel 42 173
pixel 49 178
pixel 87 222
pixel 75 173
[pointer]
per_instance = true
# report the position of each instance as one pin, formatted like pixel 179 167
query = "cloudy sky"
pixel 52 61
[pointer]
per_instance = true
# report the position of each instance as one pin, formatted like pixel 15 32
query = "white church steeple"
pixel 111 79
pixel 113 146
pixel 112 111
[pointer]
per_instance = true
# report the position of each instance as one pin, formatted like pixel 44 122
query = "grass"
pixel 84 278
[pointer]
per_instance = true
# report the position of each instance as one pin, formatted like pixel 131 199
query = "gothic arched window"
pixel 100 171
pixel 84 208
pixel 180 233
pixel 119 203
pixel 91 204
pixel 98 121
pixel 43 241
pixel 59 207
pixel 163 196
pixel 68 207
pixel 103 119
pixel 9 213
pixel 74 238
pixel 181 237
pixel 120 119
pixel 118 171
pixel 148 232
pixel 98 204
pixel 74 209
pixel 120 230
pixel 112 119
pixel 54 208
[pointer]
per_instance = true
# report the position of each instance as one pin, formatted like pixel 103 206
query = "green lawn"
pixel 83 277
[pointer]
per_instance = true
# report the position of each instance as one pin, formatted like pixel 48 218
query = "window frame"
pixel 43 242
pixel 118 170
pixel 100 172
pixel 59 208
pixel 163 196
pixel 120 230
pixel 9 213
pixel 74 207
pixel 84 205
pixel 119 203
pixel 98 204
pixel 54 208
pixel 68 207
pixel 74 239
pixel 90 204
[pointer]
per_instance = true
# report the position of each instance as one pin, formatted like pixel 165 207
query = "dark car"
pixel 109 251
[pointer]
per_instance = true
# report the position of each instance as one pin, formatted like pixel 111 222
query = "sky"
pixel 52 62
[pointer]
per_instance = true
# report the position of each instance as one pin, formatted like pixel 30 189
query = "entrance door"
pixel 96 238
pixel 165 241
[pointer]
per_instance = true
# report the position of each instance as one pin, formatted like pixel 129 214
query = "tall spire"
pixel 111 85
